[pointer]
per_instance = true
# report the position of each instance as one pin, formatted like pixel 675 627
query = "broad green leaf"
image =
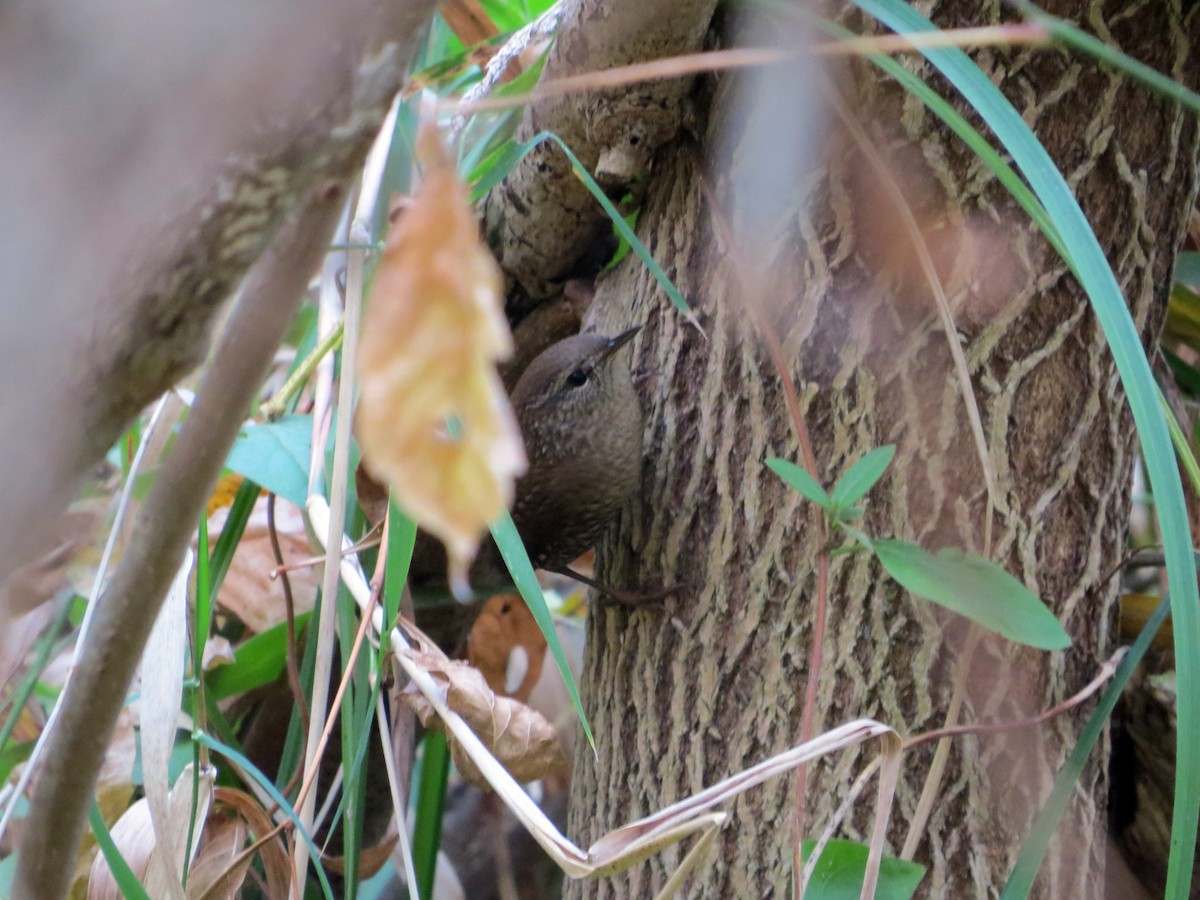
pixel 843 865
pixel 803 482
pixel 861 476
pixel 275 454
pixel 976 588
pixel 257 661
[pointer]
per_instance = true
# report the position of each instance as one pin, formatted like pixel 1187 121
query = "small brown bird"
pixel 582 425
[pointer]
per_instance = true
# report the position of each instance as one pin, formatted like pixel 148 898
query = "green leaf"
pixel 803 482
pixel 257 661
pixel 843 865
pixel 976 588
pixel 861 476
pixel 248 768
pixel 275 454
pixel 430 809
pixel 513 153
pixel 512 549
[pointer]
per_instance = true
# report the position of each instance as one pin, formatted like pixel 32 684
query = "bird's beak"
pixel 615 344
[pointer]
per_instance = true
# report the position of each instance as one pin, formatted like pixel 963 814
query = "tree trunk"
pixel 680 700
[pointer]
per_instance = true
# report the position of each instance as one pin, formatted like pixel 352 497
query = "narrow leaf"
pixel 976 588
pixel 803 482
pixel 508 540
pixel 1033 851
pixel 861 476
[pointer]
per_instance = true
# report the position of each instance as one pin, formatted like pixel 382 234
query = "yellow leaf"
pixel 433 333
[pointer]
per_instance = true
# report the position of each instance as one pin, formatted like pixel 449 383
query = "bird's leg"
pixel 624 598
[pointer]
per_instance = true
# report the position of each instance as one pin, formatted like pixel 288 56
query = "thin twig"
pixel 127 608
pixel 289 605
pixel 753 57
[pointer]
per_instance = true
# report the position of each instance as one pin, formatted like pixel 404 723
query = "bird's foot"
pixel 649 599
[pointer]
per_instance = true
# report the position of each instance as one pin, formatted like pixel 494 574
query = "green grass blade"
pixel 1089 264
pixel 954 120
pixel 128 883
pixel 508 158
pixel 231 534
pixel 521 569
pixel 431 804
pixel 1033 851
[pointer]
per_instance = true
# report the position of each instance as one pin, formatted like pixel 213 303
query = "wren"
pixel 582 424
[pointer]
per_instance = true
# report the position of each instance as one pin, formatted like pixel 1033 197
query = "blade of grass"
pixel 1033 851
pixel 128 883
pixel 516 152
pixel 1067 33
pixel 521 569
pixel 231 534
pixel 1088 262
pixel 431 803
pixel 24 689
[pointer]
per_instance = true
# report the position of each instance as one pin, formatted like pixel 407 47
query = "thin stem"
pixel 163 530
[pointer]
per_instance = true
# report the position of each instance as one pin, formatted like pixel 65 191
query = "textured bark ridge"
pixel 719 680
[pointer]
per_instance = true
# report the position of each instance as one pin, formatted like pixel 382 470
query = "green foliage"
pixel 1033 851
pixel 275 455
pixel 513 551
pixel 431 804
pixel 840 871
pixel 799 479
pixel 962 582
pixel 976 588
pixel 861 477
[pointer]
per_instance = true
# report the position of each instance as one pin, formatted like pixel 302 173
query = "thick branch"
pixel 128 607
pixel 542 219
pixel 149 181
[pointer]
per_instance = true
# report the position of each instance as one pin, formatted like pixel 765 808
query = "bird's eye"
pixel 577 378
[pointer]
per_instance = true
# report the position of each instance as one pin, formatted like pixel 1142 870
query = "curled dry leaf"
pixel 521 738
pixel 434 331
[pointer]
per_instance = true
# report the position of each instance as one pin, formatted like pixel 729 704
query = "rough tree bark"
pixel 679 701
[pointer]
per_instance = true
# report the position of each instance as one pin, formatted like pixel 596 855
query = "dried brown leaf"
pixel 219 868
pixel 521 738
pixel 433 334
pixel 248 591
